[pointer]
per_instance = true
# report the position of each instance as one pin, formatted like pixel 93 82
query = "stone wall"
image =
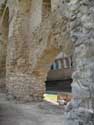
pixel 69 29
pixel 3 44
pixel 36 14
pixel 81 108
pixel 54 4
pixel 18 50
pixel 47 42
pixel 37 11
pixel 29 55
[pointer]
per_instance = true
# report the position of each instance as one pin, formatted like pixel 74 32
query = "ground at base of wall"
pixel 30 114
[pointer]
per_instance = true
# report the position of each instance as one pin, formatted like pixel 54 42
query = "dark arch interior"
pixel 60 75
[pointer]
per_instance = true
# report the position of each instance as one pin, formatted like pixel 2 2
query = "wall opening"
pixel 59 77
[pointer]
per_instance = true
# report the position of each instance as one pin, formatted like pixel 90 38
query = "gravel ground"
pixel 43 113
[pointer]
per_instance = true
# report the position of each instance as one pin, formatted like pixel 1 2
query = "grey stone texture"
pixel 70 28
pixel 81 30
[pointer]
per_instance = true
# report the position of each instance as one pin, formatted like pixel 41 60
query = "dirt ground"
pixel 43 113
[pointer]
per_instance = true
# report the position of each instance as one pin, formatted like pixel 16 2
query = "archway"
pixel 29 60
pixel 60 74
pixel 59 80
pixel 50 39
pixel 49 45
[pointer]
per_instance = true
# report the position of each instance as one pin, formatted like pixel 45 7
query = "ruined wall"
pixel 3 44
pixel 18 51
pixel 54 4
pixel 29 55
pixel 80 109
pixel 36 14
pixel 47 42
pixel 38 11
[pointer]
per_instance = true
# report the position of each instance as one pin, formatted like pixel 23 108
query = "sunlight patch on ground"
pixel 51 98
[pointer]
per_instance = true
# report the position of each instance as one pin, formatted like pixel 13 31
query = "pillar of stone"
pixel 41 69
pixel 80 111
pixel 38 85
pixel 19 81
pixel 3 43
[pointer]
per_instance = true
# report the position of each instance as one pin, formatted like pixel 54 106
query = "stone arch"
pixel 28 54
pixel 48 41
pixel 23 82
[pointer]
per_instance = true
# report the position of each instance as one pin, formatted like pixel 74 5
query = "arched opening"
pixel 59 78
pixel 4 26
pixel 29 71
pixel 60 74
pixel 49 45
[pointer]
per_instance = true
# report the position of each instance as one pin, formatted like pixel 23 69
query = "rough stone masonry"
pixel 29 54
pixel 3 44
pixel 81 109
